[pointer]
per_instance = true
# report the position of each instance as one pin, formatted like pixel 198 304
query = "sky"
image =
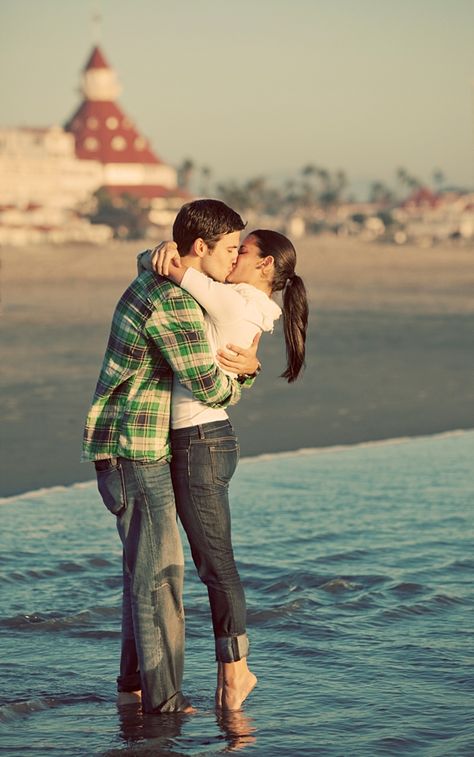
pixel 261 87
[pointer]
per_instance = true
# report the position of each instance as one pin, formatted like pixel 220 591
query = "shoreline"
pixel 389 353
pixel 261 456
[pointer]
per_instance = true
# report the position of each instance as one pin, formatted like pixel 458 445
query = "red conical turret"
pixel 102 130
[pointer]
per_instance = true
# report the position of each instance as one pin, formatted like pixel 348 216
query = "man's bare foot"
pixel 129 697
pixel 238 683
pixel 189 710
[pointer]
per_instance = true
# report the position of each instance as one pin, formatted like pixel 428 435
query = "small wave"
pixel 428 607
pixel 352 554
pixel 99 635
pixel 63 567
pixel 336 585
pixel 467 564
pixel 407 588
pixel 14 710
pixel 11 711
pixel 55 621
pixel 68 566
pixel 100 562
pixel 396 744
pixel 288 583
pixel 26 576
pixel 282 611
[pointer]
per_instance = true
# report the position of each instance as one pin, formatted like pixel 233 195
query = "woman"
pixel 204 446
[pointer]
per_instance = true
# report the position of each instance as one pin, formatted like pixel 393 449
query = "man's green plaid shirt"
pixel 157 331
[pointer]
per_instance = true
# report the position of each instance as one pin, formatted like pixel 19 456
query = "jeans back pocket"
pixel 224 456
pixel 111 487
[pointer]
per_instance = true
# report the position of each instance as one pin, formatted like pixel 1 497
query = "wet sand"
pixel 389 352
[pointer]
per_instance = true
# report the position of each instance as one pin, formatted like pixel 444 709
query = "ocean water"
pixel 357 564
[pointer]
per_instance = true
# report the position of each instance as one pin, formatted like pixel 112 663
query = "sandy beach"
pixel 389 352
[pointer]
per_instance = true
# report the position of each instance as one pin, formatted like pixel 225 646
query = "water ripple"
pixel 356 566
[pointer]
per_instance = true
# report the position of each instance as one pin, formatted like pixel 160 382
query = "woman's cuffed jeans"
pixel 140 495
pixel 204 459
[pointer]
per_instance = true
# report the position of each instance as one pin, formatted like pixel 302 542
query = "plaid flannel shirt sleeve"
pixel 141 267
pixel 177 329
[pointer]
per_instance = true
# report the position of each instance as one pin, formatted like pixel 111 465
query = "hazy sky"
pixel 262 87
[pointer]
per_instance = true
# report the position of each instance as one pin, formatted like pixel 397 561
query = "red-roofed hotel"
pixel 104 133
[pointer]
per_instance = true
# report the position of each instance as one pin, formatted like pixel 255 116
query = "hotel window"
pixel 118 143
pixel 91 143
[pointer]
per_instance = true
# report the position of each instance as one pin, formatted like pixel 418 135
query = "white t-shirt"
pixel 233 314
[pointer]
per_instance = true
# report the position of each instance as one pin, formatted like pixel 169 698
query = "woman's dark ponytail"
pixel 295 323
pixel 295 302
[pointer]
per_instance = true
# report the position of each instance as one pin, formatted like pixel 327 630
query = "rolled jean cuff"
pixel 232 648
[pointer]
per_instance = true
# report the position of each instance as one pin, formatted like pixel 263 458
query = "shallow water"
pixel 358 566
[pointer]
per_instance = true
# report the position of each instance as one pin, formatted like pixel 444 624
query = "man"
pixel 157 332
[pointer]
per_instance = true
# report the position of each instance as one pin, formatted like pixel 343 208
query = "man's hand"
pixel 240 360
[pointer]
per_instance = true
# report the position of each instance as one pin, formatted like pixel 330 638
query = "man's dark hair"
pixel 208 220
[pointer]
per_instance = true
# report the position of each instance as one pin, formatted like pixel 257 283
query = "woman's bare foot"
pixel 238 683
pixel 129 697
pixel 220 684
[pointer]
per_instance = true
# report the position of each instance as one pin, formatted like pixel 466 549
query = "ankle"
pixel 234 671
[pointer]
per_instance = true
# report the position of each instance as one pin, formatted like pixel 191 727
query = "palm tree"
pixel 340 182
pixel 205 179
pixel 380 193
pixel 402 177
pixel 234 195
pixel 324 177
pixel 256 190
pixel 185 172
pixel 308 196
pixel 407 180
pixel 333 186
pixel 438 178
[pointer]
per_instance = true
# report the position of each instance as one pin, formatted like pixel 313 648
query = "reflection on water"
pixel 161 734
pixel 238 729
pixel 357 564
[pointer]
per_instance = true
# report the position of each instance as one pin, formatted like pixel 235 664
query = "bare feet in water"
pixel 234 683
pixel 129 697
pixel 189 710
pixel 135 697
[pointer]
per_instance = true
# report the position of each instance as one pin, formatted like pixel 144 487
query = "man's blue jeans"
pixel 140 495
pixel 203 461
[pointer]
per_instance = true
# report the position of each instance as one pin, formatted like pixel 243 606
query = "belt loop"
pixel 201 432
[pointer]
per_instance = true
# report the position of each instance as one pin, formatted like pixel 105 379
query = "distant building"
pixel 428 217
pixel 421 198
pixel 39 166
pixel 105 134
pixel 41 184
pixel 48 174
